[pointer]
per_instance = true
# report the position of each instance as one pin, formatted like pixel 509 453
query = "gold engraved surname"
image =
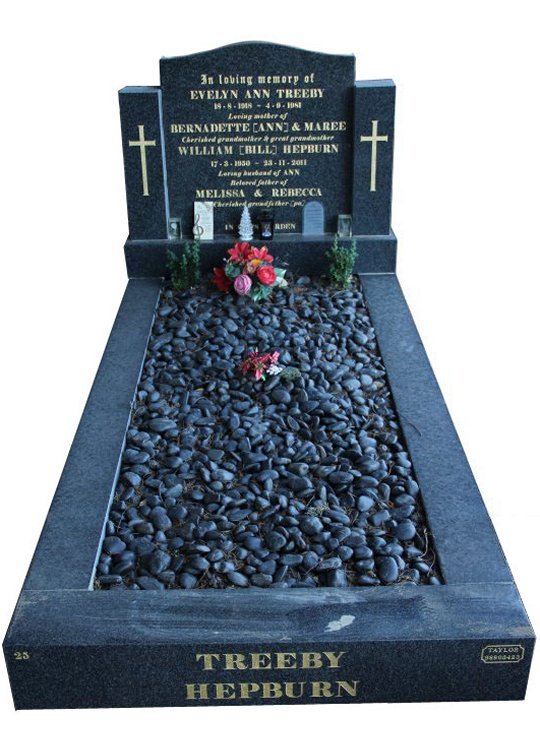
pixel 221 691
pixel 267 688
pixel 142 144
pixel 270 660
pixel 375 138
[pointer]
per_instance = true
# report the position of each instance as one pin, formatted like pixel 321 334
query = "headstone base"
pixel 376 254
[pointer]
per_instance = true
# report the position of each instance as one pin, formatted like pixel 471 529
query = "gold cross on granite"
pixel 374 138
pixel 142 144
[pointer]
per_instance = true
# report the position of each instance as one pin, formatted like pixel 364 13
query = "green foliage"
pixel 261 292
pixel 233 270
pixel 290 373
pixel 341 261
pixel 186 269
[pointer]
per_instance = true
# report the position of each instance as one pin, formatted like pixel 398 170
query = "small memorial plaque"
pixel 313 218
pixel 203 220
pixel 175 228
pixel 344 225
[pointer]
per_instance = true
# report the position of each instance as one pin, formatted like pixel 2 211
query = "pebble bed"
pixel 226 482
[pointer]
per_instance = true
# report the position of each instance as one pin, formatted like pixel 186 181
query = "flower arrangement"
pixel 260 365
pixel 249 270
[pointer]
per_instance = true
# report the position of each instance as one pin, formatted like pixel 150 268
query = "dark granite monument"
pixel 271 126
pixel 163 576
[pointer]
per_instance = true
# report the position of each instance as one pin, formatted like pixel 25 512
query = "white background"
pixel 466 215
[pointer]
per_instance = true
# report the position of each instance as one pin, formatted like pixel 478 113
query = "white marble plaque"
pixel 203 220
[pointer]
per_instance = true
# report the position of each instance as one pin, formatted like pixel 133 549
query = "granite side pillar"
pixel 374 106
pixel 144 162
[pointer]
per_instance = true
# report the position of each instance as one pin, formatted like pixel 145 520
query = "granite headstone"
pixel 263 124
pixel 258 123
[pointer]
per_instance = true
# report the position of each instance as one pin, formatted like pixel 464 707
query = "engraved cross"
pixel 374 138
pixel 142 144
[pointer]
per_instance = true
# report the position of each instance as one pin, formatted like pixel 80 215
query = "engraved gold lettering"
pixel 261 123
pixel 261 661
pixel 258 150
pixel 210 195
pixel 270 127
pixel 235 79
pixel 235 661
pixel 213 94
pixel 257 94
pixel 350 688
pixel 248 688
pixel 210 127
pixel 274 690
pixel 290 689
pixel 275 80
pixel 321 690
pixel 310 192
pixel 325 126
pixel 205 150
pixel 333 658
pixel 311 660
pixel 300 93
pixel 311 148
pixel 225 691
pixel 207 660
pixel 197 691
pixel 285 661
pixel 270 660
pixel 271 690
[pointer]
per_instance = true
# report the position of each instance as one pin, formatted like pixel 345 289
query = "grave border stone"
pixel 71 646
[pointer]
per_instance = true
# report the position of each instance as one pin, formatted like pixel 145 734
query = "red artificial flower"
pixel 257 364
pixel 239 252
pixel 260 254
pixel 221 280
pixel 266 275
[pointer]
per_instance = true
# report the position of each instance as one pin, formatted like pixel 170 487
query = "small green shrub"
pixel 341 261
pixel 186 269
pixel 290 373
